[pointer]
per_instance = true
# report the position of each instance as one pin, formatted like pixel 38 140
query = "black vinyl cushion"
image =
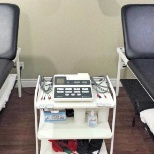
pixel 138 30
pixel 136 93
pixel 144 71
pixel 144 105
pixel 5 68
pixel 9 20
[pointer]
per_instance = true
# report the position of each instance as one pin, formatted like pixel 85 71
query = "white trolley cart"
pixel 69 129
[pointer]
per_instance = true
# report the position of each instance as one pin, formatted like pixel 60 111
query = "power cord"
pixel 26 91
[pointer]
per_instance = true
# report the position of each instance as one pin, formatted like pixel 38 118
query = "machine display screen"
pixel 60 81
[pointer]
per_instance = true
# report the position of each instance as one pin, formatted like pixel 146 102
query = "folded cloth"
pixel 82 146
pixel 95 146
pixel 147 117
pixel 68 146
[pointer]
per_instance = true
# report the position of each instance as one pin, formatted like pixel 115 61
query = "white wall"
pixel 70 36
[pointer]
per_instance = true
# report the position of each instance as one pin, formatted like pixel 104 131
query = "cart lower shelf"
pixel 46 148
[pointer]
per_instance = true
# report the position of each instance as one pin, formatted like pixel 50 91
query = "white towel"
pixel 6 89
pixel 147 117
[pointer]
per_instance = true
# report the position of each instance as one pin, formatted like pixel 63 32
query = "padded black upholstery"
pixel 9 21
pixel 144 71
pixel 5 68
pixel 143 105
pixel 138 30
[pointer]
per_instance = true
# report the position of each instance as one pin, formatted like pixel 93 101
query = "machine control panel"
pixel 76 87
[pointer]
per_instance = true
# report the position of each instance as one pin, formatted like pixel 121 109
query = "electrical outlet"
pixel 123 65
pixel 21 65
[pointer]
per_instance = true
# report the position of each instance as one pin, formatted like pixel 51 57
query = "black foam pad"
pixel 138 30
pixel 144 71
pixel 5 68
pixel 9 19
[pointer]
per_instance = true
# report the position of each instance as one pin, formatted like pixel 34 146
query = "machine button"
pixel 60 88
pixel 68 91
pixel 85 91
pixel 84 88
pixel 68 88
pixel 76 91
pixel 76 88
pixel 60 91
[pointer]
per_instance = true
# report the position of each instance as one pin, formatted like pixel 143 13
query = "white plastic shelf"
pixel 70 130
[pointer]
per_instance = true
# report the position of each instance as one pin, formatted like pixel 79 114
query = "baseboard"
pixel 28 82
pixel 32 82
